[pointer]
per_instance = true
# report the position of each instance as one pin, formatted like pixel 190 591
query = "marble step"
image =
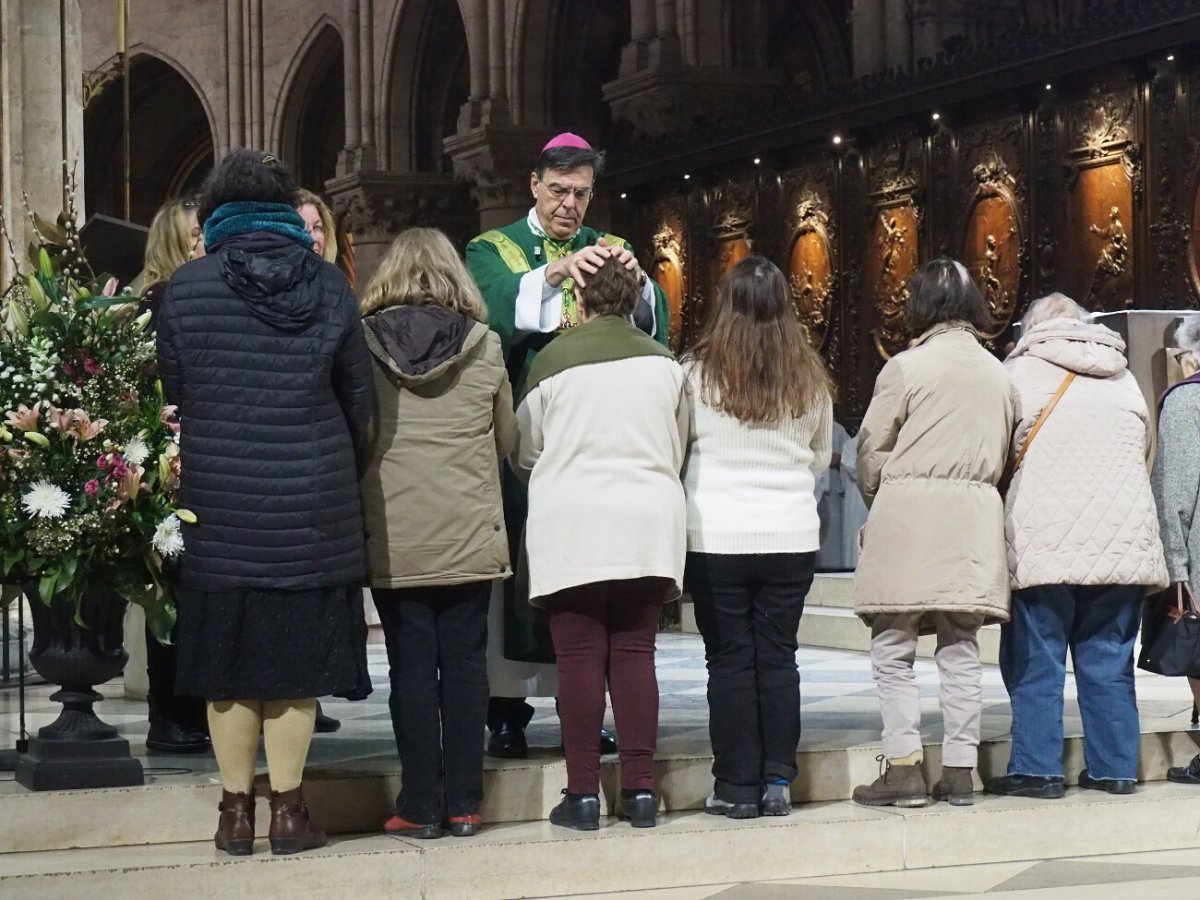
pixel 357 798
pixel 539 860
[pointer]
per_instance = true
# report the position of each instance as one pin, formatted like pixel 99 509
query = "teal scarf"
pixel 229 220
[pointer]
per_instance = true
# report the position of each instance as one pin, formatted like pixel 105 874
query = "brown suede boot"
pixel 902 786
pixel 235 828
pixel 291 828
pixel 956 786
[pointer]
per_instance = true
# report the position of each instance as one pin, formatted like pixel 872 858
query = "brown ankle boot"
pixel 956 786
pixel 291 828
pixel 902 786
pixel 235 828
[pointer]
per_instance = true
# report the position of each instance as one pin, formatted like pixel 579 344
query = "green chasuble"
pixel 497 259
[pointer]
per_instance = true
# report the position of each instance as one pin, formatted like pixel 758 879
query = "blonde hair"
pixel 303 196
pixel 169 244
pixel 422 268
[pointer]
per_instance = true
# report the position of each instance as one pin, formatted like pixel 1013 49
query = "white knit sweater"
pixel 750 487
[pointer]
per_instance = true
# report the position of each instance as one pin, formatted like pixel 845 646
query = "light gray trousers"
pixel 893 649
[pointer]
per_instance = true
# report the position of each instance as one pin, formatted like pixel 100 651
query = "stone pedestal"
pixel 495 161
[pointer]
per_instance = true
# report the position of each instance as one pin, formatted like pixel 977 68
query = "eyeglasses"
pixel 1177 353
pixel 560 191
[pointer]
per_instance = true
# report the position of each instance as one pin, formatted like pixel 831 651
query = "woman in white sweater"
pixel 762 420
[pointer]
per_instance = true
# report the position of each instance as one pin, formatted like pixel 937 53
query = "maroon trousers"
pixel 606 631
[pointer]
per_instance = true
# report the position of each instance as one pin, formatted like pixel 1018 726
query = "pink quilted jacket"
pixel 1080 509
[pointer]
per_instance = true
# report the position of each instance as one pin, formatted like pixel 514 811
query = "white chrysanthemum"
pixel 46 500
pixel 167 539
pixel 136 451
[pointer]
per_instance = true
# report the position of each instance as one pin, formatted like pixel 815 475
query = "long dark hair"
pixel 756 361
pixel 246 175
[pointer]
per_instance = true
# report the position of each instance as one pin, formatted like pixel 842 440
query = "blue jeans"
pixel 1100 625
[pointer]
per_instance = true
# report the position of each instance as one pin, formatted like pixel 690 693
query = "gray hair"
pixel 1052 306
pixel 1187 333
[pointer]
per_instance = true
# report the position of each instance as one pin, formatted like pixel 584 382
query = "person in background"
pixel 435 520
pixel 178 724
pixel 604 406
pixel 1176 482
pixel 854 513
pixel 831 503
pixel 931 450
pixel 529 273
pixel 1083 545
pixel 318 223
pixel 761 406
pixel 261 348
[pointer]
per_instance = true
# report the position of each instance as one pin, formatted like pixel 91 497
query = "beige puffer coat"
pixel 1080 509
pixel 931 449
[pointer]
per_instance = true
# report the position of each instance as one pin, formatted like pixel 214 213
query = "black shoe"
pixel 715 806
pixel 508 742
pixel 608 742
pixel 325 724
pixel 166 736
pixel 1112 785
pixel 638 807
pixel 1040 787
pixel 578 811
pixel 1189 774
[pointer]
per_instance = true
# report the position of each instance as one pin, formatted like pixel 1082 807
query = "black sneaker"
pixel 1111 785
pixel 578 811
pixel 1040 787
pixel 1189 774
pixel 166 736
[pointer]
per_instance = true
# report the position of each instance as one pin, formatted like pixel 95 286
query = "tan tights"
pixel 286 727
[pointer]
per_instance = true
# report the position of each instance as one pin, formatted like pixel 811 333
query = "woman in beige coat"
pixel 1082 546
pixel 931 450
pixel 435 528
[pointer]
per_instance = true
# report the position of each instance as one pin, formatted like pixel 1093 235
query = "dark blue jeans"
pixel 748 607
pixel 1099 624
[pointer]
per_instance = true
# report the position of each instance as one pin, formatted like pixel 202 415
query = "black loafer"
pixel 1111 785
pixel 580 812
pixel 508 742
pixel 1189 774
pixel 1040 787
pixel 325 724
pixel 166 736
pixel 608 742
pixel 638 807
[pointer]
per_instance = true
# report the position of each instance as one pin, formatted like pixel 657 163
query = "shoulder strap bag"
pixel 1015 462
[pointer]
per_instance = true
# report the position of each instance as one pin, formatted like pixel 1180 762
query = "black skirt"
pixel 272 645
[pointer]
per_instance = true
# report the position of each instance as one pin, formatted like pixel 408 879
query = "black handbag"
pixel 1171 634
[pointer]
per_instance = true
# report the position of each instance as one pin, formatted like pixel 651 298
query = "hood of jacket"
pixel 1083 347
pixel 275 276
pixel 419 343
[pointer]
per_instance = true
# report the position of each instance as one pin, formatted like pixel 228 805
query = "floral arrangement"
pixel 89 455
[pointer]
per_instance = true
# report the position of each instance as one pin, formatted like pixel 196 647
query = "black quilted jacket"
pixel 260 346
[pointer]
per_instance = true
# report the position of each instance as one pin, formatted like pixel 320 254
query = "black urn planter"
pixel 78 750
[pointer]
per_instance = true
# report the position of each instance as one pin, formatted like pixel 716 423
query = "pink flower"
pixel 103 461
pixel 110 288
pixel 167 415
pixel 61 419
pixel 92 488
pixel 24 419
pixel 130 483
pixel 84 428
pixel 119 467
pixel 91 366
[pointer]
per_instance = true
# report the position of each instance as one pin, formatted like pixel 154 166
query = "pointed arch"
pixel 173 137
pixel 426 81
pixel 309 127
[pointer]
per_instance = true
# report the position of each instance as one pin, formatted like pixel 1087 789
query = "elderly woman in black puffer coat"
pixel 260 346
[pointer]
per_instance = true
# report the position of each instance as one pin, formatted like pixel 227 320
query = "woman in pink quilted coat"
pixel 1083 545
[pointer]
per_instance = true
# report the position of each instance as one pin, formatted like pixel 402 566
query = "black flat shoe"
pixel 608 742
pixel 1111 785
pixel 638 807
pixel 1040 787
pixel 1189 774
pixel 325 724
pixel 166 736
pixel 508 742
pixel 578 811
pixel 715 806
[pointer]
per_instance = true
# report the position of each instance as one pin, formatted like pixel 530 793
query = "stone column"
pixel 234 71
pixel 495 162
pixel 898 36
pixel 32 128
pixel 867 24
